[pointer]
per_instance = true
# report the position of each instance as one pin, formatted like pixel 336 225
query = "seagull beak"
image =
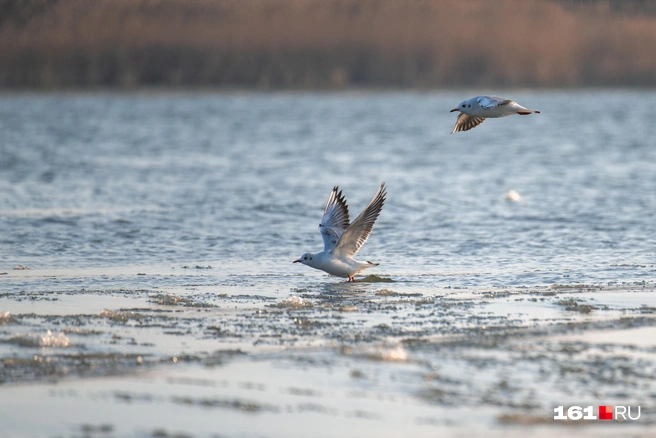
pixel 454 109
pixel 296 261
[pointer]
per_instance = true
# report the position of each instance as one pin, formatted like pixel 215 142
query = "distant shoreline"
pixel 327 45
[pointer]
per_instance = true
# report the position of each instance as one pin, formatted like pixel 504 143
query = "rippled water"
pixel 238 182
pixel 161 300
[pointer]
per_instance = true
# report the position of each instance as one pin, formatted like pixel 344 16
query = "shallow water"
pixel 158 231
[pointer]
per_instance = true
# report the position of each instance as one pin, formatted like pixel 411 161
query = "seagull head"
pixel 463 106
pixel 306 259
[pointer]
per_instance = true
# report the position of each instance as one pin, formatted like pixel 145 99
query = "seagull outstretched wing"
pixel 335 219
pixel 465 122
pixel 357 233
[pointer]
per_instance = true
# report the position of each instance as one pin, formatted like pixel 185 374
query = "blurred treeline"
pixel 326 43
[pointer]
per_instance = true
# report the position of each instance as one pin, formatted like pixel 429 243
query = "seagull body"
pixel 342 240
pixel 474 111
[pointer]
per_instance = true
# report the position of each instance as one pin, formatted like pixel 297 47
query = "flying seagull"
pixel 474 111
pixel 342 241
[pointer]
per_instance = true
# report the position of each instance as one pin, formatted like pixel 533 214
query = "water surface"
pixel 150 237
pixel 107 180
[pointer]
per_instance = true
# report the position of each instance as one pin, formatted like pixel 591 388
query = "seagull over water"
pixel 474 111
pixel 342 240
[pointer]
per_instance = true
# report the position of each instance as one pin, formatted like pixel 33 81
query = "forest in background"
pixel 326 44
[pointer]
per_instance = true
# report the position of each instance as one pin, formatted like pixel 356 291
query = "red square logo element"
pixel 605 412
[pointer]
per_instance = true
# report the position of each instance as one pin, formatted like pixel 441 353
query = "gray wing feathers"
pixel 489 102
pixel 335 219
pixel 330 238
pixel 465 122
pixel 358 232
pixel 336 214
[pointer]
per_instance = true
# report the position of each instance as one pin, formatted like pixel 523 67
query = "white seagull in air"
pixel 474 111
pixel 342 241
